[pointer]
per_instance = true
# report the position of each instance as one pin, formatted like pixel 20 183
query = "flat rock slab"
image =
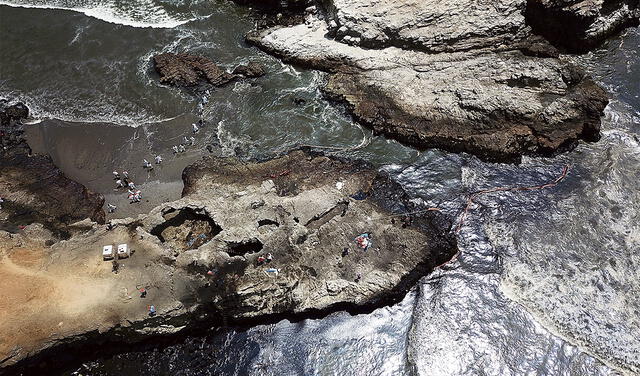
pixel 498 105
pixel 198 257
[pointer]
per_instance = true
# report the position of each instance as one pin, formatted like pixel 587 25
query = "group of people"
pixel 264 258
pixel 188 141
pixel 123 181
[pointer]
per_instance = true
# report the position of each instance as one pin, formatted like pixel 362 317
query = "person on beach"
pixel 131 185
pixel 147 165
pixel 181 149
pixel 116 175
pixel 185 140
pixel 175 149
pixel 195 128
pixel 125 175
pixel 158 159
pixel 112 208
pixel 269 257
pixel 152 311
pixel 192 140
pixel 119 184
pixel 1 201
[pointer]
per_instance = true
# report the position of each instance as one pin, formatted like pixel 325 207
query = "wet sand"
pixel 89 152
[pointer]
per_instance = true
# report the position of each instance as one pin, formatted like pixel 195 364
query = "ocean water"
pixel 546 283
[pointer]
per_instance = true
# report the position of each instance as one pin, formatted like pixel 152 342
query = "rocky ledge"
pixel 32 188
pixel 458 75
pixel 192 71
pixel 198 258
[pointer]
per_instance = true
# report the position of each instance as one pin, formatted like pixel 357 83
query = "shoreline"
pixel 309 218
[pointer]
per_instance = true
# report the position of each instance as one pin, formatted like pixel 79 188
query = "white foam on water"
pixel 137 13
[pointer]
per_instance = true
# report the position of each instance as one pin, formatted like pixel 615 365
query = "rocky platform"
pixel 458 75
pixel 33 188
pixel 197 258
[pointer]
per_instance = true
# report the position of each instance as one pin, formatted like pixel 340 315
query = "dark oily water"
pixel 546 282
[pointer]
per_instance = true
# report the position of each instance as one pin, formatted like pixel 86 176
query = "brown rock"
pixel 189 70
pixel 251 69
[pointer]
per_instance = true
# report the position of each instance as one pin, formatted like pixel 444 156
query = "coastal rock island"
pixel 458 75
pixel 197 258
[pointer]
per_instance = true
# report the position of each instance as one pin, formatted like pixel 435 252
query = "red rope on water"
pixel 475 195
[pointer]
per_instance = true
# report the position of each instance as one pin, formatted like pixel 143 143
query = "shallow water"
pixel 546 282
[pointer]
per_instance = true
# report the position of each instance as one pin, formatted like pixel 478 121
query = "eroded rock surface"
pixel 579 25
pixel 197 257
pixel 497 105
pixel 33 188
pixel 189 71
pixel 462 76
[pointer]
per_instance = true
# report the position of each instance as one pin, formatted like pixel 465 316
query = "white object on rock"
pixel 107 252
pixel 123 251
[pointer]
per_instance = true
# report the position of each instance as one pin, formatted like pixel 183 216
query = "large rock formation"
pixel 461 76
pixel 197 257
pixel 189 71
pixel 579 25
pixel 33 188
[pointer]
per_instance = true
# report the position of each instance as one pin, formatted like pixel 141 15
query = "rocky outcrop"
pixel 33 188
pixel 251 70
pixel 460 76
pixel 190 71
pixel 579 25
pixel 497 105
pixel 197 257
pixel 433 26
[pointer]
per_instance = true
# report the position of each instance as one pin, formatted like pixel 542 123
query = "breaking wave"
pixel 134 13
